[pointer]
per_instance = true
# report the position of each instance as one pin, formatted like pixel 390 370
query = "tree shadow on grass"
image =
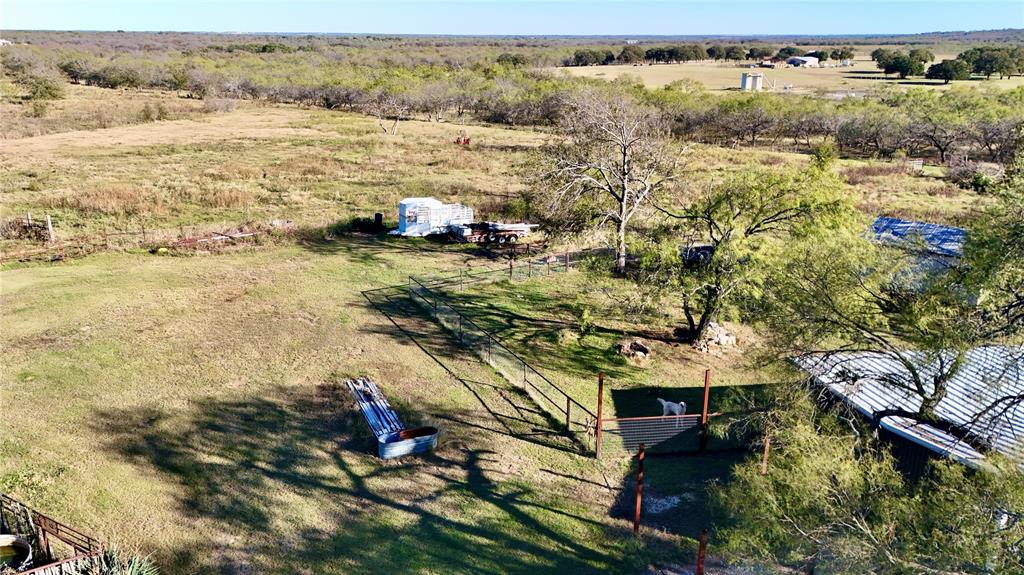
pixel 240 467
pixel 512 411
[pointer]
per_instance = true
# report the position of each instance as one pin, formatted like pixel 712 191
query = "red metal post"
pixel 600 404
pixel 704 411
pixel 639 488
pixel 702 551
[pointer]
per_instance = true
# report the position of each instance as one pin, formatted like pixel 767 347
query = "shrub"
pixel 969 175
pixel 42 87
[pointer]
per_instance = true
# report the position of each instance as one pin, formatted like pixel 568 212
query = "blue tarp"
pixel 933 238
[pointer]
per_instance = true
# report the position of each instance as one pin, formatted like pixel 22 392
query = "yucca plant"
pixel 115 562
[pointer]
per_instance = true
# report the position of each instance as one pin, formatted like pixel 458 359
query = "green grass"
pixel 188 407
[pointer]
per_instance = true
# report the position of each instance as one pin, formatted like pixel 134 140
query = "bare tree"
pixel 386 105
pixel 614 157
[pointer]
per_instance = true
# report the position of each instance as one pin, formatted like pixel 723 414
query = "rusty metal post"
pixel 568 415
pixel 702 551
pixel 704 411
pixel 639 489
pixel 529 267
pixel 510 268
pixel 600 404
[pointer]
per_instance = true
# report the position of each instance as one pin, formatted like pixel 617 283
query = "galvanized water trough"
pixel 393 439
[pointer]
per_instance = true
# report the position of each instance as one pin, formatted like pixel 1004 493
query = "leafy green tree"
pixel 949 70
pixel 788 52
pixel 42 87
pixel 513 60
pixel 880 55
pixel 735 53
pixel 844 53
pixel 760 52
pixel 76 69
pixel 631 54
pixel 921 55
pixel 821 55
pixel 903 65
pixel 829 499
pixel 741 223
pixel 716 52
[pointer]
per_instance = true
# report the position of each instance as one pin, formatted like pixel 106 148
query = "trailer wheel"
pixel 502 240
pixel 513 239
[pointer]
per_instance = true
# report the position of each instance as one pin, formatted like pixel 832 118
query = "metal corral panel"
pixel 933 238
pixel 393 439
pixel 988 373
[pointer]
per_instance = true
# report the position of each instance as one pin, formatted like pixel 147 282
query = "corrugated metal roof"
pixel 870 382
pixel 934 238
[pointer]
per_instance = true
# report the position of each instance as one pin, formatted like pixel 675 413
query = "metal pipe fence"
pixel 51 540
pixel 568 412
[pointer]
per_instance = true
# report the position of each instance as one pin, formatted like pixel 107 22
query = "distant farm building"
pixel 752 82
pixel 803 62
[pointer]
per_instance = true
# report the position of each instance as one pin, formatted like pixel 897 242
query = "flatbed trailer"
pixel 490 232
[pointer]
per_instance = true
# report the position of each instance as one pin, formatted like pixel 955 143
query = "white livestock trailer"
pixel 419 217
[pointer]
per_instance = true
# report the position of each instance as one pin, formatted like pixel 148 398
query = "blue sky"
pixel 574 17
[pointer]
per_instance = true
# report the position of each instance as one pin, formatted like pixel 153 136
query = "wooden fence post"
pixel 639 489
pixel 764 454
pixel 49 229
pixel 704 411
pixel 600 404
pixel 529 267
pixel 702 551
pixel 568 416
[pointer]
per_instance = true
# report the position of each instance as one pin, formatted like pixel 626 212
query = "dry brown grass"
pixel 858 175
pixel 118 199
pixel 89 108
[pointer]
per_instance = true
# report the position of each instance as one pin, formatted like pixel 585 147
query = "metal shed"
pixel 989 373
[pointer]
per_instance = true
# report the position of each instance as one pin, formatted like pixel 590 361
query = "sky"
pixel 517 17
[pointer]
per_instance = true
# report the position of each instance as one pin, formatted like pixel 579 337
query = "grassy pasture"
pixel 189 406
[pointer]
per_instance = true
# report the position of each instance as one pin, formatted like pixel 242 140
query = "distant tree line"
pixel 635 54
pixel 983 125
pixel 1004 61
pixel 917 123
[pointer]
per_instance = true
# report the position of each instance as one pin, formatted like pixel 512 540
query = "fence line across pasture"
pixel 548 395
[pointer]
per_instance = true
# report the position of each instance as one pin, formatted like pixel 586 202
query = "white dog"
pixel 671 407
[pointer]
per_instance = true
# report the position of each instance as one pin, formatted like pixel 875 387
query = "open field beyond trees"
pixel 864 76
